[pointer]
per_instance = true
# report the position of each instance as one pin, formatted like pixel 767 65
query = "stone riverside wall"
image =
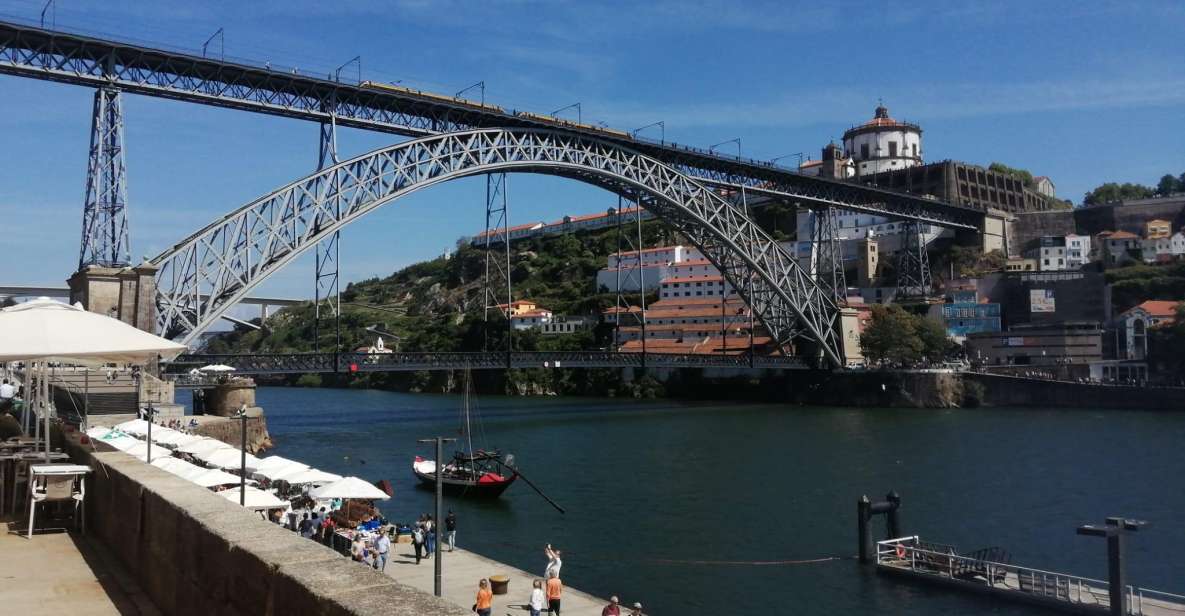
pixel 229 431
pixel 999 390
pixel 195 552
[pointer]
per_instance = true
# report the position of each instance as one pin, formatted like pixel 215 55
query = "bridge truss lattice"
pixel 207 273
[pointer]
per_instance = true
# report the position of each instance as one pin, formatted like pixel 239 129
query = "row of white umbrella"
pixel 222 456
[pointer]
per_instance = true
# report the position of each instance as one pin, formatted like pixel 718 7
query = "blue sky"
pixel 1084 92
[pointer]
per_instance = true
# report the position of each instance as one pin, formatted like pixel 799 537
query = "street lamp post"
pixel 241 415
pixel 149 411
pixel 1114 531
pixel 737 141
pixel 439 441
pixel 576 106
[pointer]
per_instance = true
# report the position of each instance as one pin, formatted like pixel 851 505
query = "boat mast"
pixel 468 427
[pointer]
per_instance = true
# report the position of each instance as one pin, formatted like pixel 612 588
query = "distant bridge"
pixel 302 363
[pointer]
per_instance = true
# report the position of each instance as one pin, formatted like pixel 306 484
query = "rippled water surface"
pixel 672 503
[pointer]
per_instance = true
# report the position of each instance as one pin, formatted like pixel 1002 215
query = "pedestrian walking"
pixel 538 599
pixel 612 609
pixel 306 527
pixel 637 611
pixel 555 588
pixel 554 562
pixel 417 540
pixel 485 598
pixel 450 527
pixel 382 546
pixel 430 536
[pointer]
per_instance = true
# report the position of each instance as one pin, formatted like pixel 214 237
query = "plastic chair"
pixel 54 488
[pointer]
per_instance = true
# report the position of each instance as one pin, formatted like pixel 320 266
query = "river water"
pixel 696 508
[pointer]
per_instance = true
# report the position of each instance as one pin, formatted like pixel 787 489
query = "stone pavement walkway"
pixel 461 571
pixel 62 573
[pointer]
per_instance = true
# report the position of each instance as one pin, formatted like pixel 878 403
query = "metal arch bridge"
pixel 60 56
pixel 202 276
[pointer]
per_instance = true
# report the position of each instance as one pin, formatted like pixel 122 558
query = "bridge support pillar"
pixel 496 280
pixel 913 263
pixel 828 255
pixel 125 293
pixel 104 214
pixel 326 289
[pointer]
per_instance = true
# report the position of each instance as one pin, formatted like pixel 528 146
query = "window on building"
pixel 892 149
pixel 864 151
pixel 915 150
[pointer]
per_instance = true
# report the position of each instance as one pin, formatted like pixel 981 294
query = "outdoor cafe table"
pixel 12 465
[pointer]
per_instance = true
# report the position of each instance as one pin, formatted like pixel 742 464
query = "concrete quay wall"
pixel 195 552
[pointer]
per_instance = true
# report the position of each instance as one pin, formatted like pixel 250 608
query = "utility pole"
pixel 439 441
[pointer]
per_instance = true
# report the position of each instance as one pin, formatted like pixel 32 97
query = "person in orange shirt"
pixel 554 589
pixel 484 598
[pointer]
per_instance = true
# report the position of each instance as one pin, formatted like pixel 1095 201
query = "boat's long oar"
pixel 540 492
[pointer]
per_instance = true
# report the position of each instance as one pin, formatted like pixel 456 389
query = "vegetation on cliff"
pixel 439 305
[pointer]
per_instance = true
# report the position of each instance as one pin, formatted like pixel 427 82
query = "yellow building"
pixel 1158 229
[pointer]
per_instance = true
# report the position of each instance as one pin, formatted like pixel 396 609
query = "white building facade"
pixel 883 144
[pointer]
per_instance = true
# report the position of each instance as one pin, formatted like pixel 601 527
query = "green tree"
pixel 1169 184
pixel 897 337
pixel 1112 191
pixel 1023 174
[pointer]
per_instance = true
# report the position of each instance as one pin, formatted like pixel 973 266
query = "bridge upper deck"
pixel 61 56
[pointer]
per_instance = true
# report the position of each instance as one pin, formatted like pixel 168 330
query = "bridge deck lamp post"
pixel 480 84
pixel 241 415
pixel 439 441
pixel 712 148
pixel 662 126
pixel 1114 531
pixel 798 154
pixel 576 106
pixel 221 36
pixel 337 74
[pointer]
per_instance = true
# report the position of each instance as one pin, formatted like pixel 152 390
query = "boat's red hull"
pixel 471 489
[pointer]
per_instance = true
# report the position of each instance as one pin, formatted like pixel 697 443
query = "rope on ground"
pixel 751 563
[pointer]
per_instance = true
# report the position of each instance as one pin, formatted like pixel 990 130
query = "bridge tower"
pixel 104 214
pixel 629 239
pixel 827 255
pixel 497 294
pixel 326 289
pixel 913 264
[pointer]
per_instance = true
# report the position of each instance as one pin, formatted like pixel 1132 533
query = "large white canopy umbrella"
pixel 225 458
pixel 349 487
pixel 270 462
pixel 45 330
pixel 213 477
pixel 122 442
pixel 178 467
pixel 204 445
pixel 309 475
pixel 255 498
pixel 170 437
pixel 276 471
pixel 135 427
pixel 216 368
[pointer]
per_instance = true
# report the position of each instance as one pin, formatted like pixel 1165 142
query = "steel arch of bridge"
pixel 207 273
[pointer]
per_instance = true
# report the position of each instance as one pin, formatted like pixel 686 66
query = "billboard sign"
pixel 1041 300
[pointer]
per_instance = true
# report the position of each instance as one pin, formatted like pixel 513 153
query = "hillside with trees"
pixel 438 305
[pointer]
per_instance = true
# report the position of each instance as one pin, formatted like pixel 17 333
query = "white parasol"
pixel 308 475
pixel 204 445
pixel 217 368
pixel 225 458
pixel 44 330
pixel 255 498
pixel 349 487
